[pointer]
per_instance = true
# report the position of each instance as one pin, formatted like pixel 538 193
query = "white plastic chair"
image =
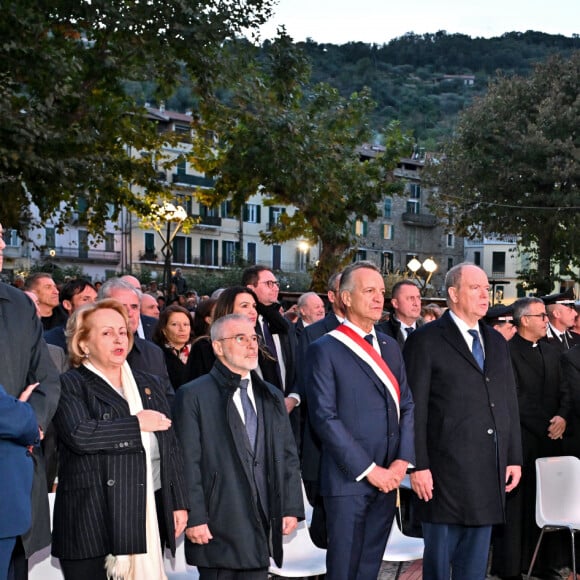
pixel 41 565
pixel 302 558
pixel 401 548
pixel 177 568
pixel 308 509
pixel 557 500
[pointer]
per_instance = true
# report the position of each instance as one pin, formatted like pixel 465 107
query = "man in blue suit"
pixel 362 410
pixel 18 430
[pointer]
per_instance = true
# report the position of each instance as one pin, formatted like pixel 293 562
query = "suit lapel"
pixel 104 392
pixel 367 370
pixel 453 336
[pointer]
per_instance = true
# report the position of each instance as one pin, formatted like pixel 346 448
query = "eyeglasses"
pixel 543 315
pixel 270 283
pixel 244 339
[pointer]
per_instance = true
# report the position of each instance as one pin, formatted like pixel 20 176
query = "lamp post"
pixel 171 214
pixel 429 265
pixel 304 248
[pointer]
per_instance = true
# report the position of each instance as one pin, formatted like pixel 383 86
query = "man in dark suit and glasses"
pixel 467 432
pixel 361 408
pixel 241 463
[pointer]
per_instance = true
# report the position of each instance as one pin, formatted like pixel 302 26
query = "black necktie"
pixel 409 329
pixel 250 417
pixel 476 348
pixel 369 339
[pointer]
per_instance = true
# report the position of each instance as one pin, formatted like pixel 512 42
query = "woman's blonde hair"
pixel 78 327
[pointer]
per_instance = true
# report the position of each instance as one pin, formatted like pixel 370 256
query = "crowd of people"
pixel 153 415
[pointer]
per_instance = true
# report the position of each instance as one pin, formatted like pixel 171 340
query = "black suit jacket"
pixel 148 323
pixel 24 359
pixel 310 452
pixel 220 479
pixel 102 470
pixel 467 427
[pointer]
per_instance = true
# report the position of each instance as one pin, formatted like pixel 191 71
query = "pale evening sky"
pixel 378 21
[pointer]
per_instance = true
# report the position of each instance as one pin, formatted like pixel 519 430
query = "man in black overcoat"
pixel 241 463
pixel 545 405
pixel 467 435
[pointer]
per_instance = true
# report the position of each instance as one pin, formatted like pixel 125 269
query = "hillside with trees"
pixel 423 81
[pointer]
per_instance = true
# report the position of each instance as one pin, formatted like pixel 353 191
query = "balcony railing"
pixel 422 220
pixel 88 255
pixel 194 180
pixel 208 220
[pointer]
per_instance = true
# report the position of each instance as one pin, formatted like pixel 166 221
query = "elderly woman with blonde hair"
pixel 121 494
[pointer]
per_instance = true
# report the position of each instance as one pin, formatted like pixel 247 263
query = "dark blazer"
pixel 148 323
pixel 100 499
pixel 280 326
pixel 56 336
pixel 219 473
pixel 147 357
pixel 392 328
pixel 18 429
pixel 542 393
pixel 571 372
pixel 310 456
pixel 466 422
pixel 354 415
pixel 24 359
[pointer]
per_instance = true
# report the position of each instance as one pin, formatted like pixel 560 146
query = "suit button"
pixel 487 379
pixel 106 416
pixel 111 482
pixel 490 431
pixel 492 405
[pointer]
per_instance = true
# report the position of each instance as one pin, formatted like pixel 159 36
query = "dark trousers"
pixel 18 563
pixel 226 574
pixel 6 549
pixel 358 527
pixel 454 551
pixel 88 568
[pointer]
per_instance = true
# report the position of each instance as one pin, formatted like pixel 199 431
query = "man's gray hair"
pixel 522 307
pixel 216 327
pixel 346 278
pixel 117 284
pixel 453 277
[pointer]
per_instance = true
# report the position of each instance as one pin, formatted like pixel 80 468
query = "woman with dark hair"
pixel 174 334
pixel 203 317
pixel 121 491
pixel 235 300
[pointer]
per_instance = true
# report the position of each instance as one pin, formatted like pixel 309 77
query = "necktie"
pixel 250 417
pixel 369 339
pixel 476 348
pixel 409 329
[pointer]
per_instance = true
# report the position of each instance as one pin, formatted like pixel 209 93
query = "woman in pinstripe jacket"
pixel 120 495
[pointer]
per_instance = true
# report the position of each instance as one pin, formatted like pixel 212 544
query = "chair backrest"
pixel 557 495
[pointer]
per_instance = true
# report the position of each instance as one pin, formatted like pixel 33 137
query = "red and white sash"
pixel 359 346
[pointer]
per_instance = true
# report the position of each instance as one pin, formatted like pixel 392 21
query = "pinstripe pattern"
pixel 100 500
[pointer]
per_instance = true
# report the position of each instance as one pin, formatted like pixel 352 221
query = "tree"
pixel 514 167
pixel 299 146
pixel 68 124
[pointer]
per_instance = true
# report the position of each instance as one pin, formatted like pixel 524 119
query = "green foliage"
pixel 68 123
pixel 299 145
pixel 514 167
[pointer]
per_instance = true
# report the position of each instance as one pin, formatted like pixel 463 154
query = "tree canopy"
pixel 514 167
pixel 299 145
pixel 68 124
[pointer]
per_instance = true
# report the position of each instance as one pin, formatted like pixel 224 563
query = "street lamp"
pixel 304 248
pixel 429 265
pixel 171 214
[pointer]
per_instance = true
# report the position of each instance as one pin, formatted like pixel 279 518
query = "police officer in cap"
pixel 501 318
pixel 561 315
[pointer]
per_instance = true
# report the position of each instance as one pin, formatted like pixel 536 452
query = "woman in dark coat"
pixel 121 492
pixel 174 335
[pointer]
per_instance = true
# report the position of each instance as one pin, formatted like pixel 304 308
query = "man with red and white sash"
pixel 361 408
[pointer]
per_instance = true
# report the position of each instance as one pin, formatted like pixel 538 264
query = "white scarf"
pixel 148 566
